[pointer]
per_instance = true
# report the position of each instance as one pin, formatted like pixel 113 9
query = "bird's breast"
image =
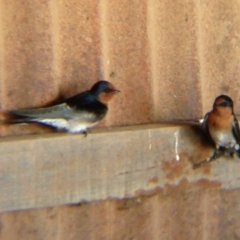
pixel 220 129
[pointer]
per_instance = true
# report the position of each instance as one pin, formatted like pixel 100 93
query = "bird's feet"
pixel 237 149
pixel 85 133
pixel 217 154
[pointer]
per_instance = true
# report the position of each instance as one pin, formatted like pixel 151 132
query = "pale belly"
pixel 72 125
pixel 223 138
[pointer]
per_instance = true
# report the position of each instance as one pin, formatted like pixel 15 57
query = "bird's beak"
pixel 116 91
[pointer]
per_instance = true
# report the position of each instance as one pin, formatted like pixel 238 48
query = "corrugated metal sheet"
pixel 169 58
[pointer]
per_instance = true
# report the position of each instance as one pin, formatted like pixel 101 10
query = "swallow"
pixel 221 125
pixel 75 114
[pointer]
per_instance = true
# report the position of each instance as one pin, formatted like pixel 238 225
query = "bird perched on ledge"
pixel 75 114
pixel 222 126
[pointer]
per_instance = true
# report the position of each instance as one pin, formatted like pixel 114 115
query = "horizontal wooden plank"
pixel 54 169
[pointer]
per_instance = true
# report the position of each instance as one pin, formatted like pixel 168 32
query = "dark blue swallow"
pixel 221 125
pixel 76 113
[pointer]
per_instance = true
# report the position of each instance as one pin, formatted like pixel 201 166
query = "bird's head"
pixel 223 103
pixel 104 91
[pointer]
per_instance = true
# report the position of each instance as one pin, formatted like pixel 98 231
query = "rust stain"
pixel 200 155
pixel 148 193
pixel 205 183
pixel 174 169
pixel 153 181
pixel 206 168
pixel 130 203
pixel 183 186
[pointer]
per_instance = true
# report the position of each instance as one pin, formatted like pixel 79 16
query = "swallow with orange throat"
pixel 222 126
pixel 75 114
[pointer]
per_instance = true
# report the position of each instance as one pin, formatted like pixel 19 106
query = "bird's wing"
pixel 57 111
pixel 207 138
pixel 87 103
pixel 204 123
pixel 61 111
pixel 235 129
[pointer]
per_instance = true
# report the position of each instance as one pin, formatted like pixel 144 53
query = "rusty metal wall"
pixel 180 214
pixel 169 58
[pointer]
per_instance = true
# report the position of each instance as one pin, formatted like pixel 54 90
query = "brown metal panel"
pixel 175 68
pixel 219 42
pixel 126 60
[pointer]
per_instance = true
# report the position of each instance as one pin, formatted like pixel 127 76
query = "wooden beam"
pixel 54 169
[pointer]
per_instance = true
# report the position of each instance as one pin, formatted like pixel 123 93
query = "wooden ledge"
pixel 55 169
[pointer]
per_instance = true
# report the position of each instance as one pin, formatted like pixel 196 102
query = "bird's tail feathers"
pixel 16 121
pixel 237 149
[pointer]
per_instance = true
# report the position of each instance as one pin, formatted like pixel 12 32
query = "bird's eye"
pixel 224 104
pixel 107 90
